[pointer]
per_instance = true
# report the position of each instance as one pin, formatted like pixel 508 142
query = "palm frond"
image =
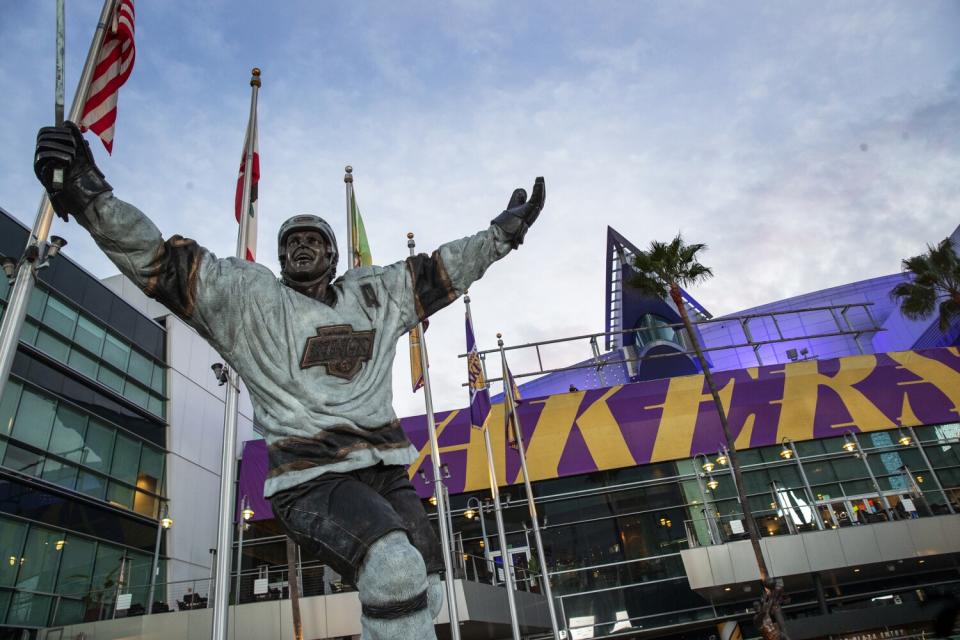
pixel 935 275
pixel 668 263
pixel 648 285
pixel 916 301
pixel 949 309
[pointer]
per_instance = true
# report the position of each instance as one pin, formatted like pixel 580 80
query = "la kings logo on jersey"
pixel 340 349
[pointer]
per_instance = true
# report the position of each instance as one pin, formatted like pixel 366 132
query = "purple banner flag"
pixel 479 392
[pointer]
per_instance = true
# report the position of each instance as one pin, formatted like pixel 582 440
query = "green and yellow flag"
pixel 361 247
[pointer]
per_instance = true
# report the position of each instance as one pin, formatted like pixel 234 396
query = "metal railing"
pixel 838 314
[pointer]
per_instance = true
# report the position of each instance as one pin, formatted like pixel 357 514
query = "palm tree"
pixel 936 279
pixel 663 270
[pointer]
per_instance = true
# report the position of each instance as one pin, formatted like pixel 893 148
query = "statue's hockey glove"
pixel 521 213
pixel 64 147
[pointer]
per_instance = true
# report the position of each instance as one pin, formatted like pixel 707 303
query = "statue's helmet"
pixel 307 222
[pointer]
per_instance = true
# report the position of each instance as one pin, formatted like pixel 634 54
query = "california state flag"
pixel 250 219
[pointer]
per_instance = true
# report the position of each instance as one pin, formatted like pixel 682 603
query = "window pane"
pixel 135 393
pixel 139 566
pixel 22 460
pixel 145 504
pixel 60 317
pixel 34 419
pixel 8 406
pixel 116 352
pixel 76 567
pixel 12 535
pixel 29 332
pixel 83 363
pixel 140 367
pixel 156 406
pixel 158 383
pixel 69 612
pixel 38 300
pixel 29 609
pixel 120 495
pixel 61 473
pixel 91 484
pixel 110 378
pixel 53 345
pixel 151 470
pixel 106 572
pixel 41 559
pixel 89 335
pixel 126 459
pixel 98 451
pixel 69 427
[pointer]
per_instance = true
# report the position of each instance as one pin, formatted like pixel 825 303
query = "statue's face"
pixel 306 256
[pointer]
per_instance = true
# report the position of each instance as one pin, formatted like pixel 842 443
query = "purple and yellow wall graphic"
pixel 626 425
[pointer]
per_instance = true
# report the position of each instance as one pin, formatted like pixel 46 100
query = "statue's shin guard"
pixel 417 625
pixel 394 592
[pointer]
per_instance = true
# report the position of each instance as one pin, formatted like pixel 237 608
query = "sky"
pixel 808 144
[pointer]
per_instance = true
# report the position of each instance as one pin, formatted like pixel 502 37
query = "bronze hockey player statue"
pixel 316 354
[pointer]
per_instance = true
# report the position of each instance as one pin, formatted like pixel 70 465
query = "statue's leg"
pixel 344 520
pixel 393 591
pixel 398 490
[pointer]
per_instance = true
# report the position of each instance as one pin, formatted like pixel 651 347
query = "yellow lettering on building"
pixel 801 386
pixel 425 450
pixel 551 435
pixel 599 428
pixel 478 473
pixel 934 372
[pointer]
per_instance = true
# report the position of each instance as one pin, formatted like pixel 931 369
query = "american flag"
pixel 251 218
pixel 114 64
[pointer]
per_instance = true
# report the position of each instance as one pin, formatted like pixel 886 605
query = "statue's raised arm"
pixel 178 272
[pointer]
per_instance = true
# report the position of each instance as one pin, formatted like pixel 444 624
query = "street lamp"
pixel 246 513
pixel 723 458
pixel 904 439
pixel 785 452
pixel 165 522
pixel 475 506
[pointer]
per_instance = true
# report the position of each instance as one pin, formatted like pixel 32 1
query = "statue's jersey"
pixel 319 373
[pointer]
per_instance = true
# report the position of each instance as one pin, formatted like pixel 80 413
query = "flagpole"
pixel 438 492
pixel 348 182
pixel 495 495
pixel 511 406
pixel 221 599
pixel 35 252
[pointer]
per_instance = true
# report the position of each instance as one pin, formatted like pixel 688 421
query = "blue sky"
pixel 808 144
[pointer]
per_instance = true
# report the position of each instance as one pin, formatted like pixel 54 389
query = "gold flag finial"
pixel 255 77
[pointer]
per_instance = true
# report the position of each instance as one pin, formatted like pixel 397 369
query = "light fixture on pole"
pixel 785 452
pixel 707 466
pixel 723 458
pixel 165 522
pixel 904 438
pixel 242 525
pixel 476 507
pixel 849 442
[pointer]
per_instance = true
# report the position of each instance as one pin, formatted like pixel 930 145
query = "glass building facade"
pixel 82 450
